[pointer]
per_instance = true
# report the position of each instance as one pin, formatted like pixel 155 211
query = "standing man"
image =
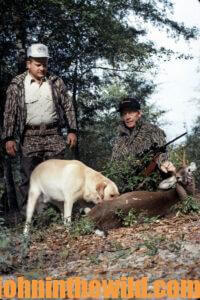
pixel 38 106
pixel 136 137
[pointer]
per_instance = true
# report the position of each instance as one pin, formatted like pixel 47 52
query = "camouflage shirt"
pixel 138 140
pixel 15 113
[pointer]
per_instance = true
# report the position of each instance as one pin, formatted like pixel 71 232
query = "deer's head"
pixel 182 176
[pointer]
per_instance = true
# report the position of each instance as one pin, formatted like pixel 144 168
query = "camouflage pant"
pixel 46 143
pixel 36 148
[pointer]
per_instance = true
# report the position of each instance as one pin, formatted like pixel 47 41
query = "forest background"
pixel 102 51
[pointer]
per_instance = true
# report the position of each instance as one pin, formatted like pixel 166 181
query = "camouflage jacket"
pixel 137 141
pixel 15 109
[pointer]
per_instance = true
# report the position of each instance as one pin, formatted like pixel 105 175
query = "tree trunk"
pixel 74 99
pixel 20 33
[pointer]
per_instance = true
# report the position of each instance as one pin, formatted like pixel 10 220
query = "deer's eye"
pixel 179 178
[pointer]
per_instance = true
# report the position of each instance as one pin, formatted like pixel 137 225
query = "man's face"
pixel 37 67
pixel 130 117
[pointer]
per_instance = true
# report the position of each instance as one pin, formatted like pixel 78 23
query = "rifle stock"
pixel 152 165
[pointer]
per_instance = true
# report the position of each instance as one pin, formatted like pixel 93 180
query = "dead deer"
pixel 173 189
pixel 182 176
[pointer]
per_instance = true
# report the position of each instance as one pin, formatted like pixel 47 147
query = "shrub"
pixel 83 226
pixel 187 206
pixel 127 174
pixel 135 217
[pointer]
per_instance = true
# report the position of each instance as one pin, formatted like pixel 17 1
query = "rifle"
pixel 156 151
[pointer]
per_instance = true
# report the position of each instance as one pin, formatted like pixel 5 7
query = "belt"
pixel 42 126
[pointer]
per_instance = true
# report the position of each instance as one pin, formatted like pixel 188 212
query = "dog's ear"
pixel 100 187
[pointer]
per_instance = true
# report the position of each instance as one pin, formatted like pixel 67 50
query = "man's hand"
pixel 71 140
pixel 11 148
pixel 167 166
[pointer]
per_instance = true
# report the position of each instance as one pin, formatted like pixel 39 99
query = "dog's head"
pixel 106 191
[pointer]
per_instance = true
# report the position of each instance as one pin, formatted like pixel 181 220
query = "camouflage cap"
pixel 129 103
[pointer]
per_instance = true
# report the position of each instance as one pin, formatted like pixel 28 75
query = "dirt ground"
pixel 168 248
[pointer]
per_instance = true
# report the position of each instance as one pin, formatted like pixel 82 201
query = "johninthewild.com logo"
pixel 76 288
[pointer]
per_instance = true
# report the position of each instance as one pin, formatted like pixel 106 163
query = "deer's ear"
pixel 167 183
pixel 192 167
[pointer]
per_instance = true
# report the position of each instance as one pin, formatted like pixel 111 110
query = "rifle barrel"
pixel 178 137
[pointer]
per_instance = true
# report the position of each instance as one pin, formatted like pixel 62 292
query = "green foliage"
pixel 102 129
pixel 95 144
pixel 151 113
pixel 127 175
pixel 148 219
pixel 83 37
pixel 45 218
pixel 135 217
pixel 176 155
pixel 6 246
pixel 193 149
pixel 84 226
pixel 93 45
pixel 187 206
pixel 128 219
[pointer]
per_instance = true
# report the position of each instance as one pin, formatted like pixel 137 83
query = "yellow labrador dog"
pixel 67 181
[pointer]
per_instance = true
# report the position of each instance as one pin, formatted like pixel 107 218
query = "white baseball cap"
pixel 38 50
